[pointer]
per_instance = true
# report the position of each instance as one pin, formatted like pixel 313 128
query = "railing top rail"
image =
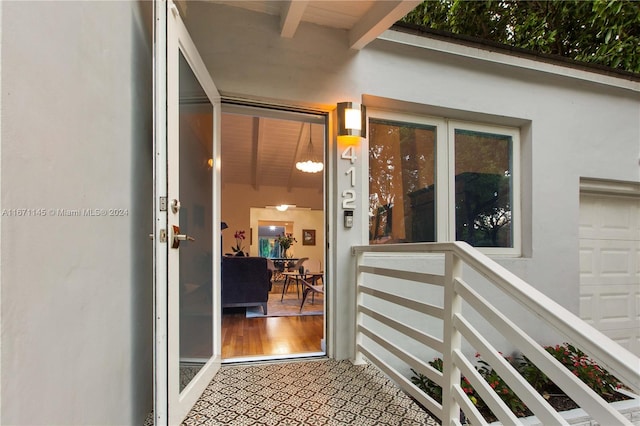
pixel 606 352
pixel 404 248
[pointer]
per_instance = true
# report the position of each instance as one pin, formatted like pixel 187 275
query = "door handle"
pixel 177 237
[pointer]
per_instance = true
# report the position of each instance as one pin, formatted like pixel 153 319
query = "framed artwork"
pixel 308 237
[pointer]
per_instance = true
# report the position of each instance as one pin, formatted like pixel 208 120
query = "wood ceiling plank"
pixel 291 17
pixel 377 20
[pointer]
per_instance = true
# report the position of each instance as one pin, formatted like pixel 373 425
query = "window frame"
pixel 441 180
pixel 445 169
pixel 516 214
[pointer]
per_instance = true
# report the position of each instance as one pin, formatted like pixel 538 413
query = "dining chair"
pixel 310 288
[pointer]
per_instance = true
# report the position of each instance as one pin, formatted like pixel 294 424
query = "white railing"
pixel 386 354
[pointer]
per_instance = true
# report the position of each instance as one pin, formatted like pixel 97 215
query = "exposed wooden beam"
pixel 256 147
pixel 291 17
pixel 379 19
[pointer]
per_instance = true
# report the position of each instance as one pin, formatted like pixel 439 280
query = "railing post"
pixel 451 337
pixel 358 358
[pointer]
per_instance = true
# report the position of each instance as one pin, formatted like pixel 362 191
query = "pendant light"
pixel 309 163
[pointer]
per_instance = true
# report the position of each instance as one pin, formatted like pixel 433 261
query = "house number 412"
pixel 349 195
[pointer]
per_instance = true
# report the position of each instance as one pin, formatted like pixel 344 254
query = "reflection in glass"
pixel 483 182
pixel 196 274
pixel 402 185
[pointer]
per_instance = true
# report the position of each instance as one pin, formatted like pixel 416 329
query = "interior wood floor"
pixel 246 337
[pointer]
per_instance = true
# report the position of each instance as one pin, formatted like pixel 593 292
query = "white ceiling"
pixel 364 20
pixel 263 150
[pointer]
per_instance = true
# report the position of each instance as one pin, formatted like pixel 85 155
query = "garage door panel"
pixel 610 304
pixel 586 308
pixel 627 338
pixel 616 262
pixel 589 221
pixel 610 267
pixel 609 218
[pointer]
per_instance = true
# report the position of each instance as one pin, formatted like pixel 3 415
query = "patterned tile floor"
pixel 323 392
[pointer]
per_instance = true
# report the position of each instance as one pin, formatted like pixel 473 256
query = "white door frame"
pixel 170 38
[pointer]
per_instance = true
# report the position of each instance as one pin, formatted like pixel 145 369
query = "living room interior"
pixel 264 197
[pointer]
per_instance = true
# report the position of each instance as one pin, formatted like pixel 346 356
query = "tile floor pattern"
pixel 323 392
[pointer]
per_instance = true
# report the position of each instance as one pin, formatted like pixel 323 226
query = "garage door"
pixel 610 266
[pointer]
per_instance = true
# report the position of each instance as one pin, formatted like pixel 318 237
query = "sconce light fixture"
pixel 352 122
pixel 282 207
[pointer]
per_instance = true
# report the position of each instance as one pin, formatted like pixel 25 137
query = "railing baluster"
pixel 358 359
pixel 452 338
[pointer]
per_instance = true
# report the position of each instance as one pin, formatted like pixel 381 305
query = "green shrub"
pixel 500 387
pixel 587 370
pixel 594 376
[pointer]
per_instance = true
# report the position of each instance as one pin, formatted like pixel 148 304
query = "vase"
pixel 284 253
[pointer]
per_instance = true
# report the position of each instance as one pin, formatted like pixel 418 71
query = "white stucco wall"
pixel 569 127
pixel 77 343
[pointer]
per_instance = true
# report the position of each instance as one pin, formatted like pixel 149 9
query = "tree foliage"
pixel 605 32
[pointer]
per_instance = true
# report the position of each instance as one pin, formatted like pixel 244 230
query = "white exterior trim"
pixel 484 54
pixel 609 187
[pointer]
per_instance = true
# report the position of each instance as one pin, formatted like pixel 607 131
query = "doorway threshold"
pixel 283 357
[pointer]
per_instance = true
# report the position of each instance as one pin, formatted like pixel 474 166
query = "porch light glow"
pixel 352 119
pixel 309 164
pixel 282 207
pixel 352 122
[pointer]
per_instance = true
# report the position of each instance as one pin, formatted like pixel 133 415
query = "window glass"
pixel 402 187
pixel 483 188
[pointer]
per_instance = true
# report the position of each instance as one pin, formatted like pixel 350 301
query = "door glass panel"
pixel 402 184
pixel 483 185
pixel 196 268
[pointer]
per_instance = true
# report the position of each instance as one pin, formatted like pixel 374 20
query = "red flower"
pixel 239 236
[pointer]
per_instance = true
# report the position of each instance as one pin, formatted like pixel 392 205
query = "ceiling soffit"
pixel 364 20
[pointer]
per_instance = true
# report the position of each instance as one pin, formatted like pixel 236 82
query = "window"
pixel 402 179
pixel 436 180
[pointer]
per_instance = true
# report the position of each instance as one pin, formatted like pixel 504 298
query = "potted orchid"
pixel 285 241
pixel 238 249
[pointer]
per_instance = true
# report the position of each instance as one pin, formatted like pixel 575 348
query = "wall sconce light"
pixel 352 122
pixel 282 207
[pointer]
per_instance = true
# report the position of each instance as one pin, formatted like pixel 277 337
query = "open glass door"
pixel 186 144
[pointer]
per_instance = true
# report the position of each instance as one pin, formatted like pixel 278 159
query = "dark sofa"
pixel 246 281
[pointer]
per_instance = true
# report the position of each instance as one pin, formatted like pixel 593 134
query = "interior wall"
pixel 76 271
pixel 238 200
pixel 299 220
